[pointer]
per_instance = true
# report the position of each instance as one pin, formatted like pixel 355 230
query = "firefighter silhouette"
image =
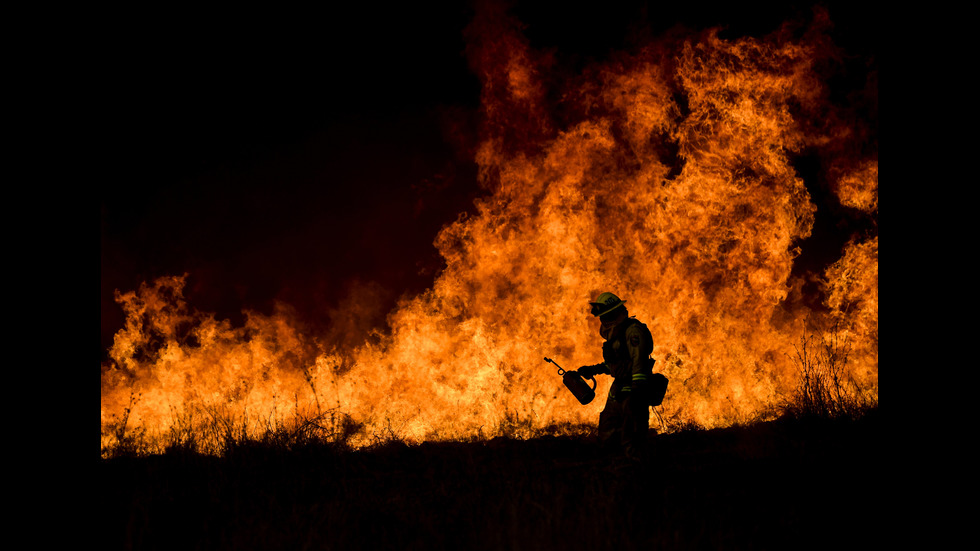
pixel 625 419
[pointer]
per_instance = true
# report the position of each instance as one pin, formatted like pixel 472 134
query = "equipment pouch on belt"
pixel 657 384
pixel 658 389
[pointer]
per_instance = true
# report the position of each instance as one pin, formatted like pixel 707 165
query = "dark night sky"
pixel 282 155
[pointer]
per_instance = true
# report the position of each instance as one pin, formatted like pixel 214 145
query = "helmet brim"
pixel 601 309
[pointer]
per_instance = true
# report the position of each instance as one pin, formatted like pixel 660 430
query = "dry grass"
pixel 825 388
pixel 218 431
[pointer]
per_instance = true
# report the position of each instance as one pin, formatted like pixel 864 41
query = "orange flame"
pixel 665 175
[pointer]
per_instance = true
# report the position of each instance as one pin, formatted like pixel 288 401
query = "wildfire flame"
pixel 665 175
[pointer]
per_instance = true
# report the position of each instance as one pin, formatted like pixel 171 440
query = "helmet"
pixel 605 303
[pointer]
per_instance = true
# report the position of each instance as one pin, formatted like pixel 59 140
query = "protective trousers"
pixel 624 425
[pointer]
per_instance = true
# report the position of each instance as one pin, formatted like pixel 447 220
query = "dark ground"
pixel 787 484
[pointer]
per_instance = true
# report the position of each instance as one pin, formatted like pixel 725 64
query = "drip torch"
pixel 576 384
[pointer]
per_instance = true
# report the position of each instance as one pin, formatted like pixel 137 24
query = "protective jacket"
pixel 626 356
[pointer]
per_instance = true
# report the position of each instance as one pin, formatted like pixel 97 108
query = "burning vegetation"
pixel 680 173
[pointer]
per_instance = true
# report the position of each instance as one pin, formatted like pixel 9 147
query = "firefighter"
pixel 625 420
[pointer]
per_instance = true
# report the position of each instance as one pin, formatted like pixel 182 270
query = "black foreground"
pixel 786 484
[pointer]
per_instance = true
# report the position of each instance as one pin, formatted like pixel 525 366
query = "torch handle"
pixel 560 370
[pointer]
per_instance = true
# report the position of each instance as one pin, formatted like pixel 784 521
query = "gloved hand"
pixel 587 371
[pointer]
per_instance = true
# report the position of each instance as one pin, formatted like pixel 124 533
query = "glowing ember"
pixel 665 175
